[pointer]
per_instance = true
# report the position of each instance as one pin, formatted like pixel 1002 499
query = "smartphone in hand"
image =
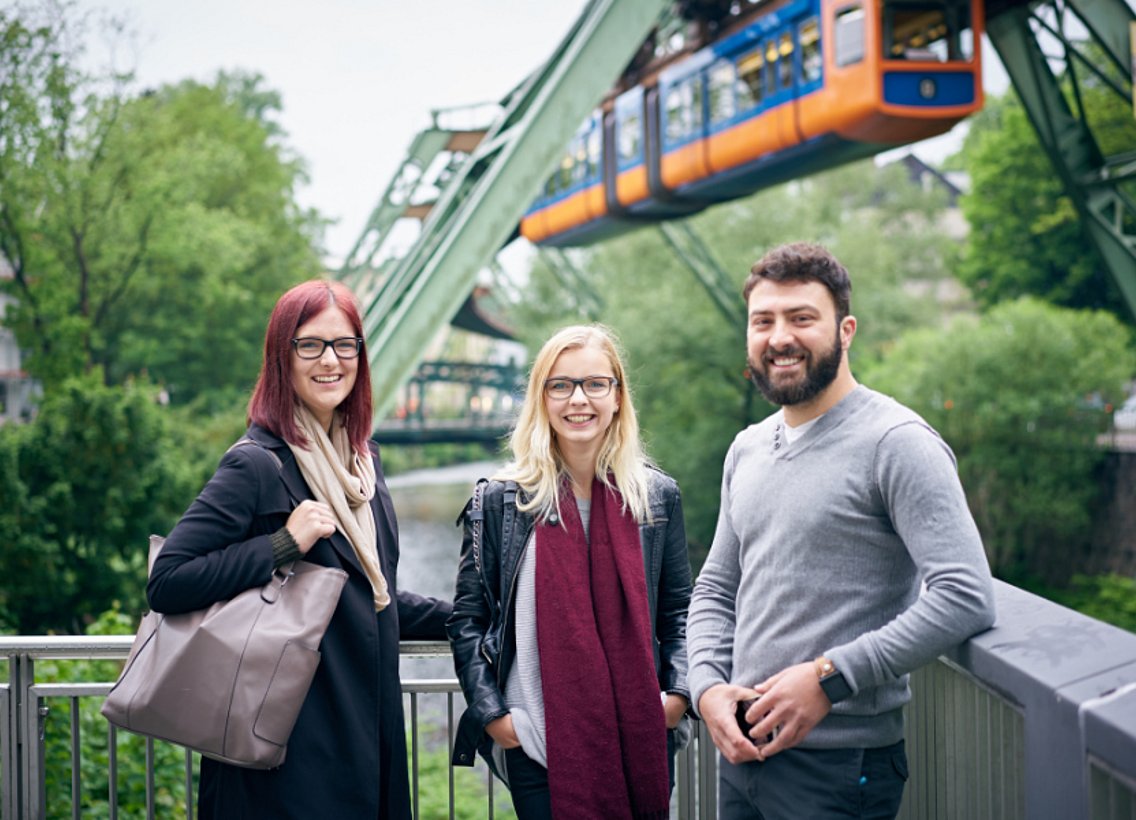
pixel 745 725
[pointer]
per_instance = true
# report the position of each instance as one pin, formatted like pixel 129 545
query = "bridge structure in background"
pixel 489 397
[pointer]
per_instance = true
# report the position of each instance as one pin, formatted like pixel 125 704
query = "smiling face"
pixel 323 384
pixel 580 422
pixel 794 345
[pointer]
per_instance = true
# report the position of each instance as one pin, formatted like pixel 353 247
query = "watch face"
pixel 835 687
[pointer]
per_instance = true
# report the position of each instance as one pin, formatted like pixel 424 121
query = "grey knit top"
pixel 822 546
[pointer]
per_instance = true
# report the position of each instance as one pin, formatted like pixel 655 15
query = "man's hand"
pixel 792 702
pixel 718 707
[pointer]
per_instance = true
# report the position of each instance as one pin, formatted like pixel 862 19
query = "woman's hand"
pixel 309 522
pixel 502 732
pixel 674 707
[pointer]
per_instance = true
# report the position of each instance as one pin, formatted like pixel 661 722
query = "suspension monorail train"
pixel 789 89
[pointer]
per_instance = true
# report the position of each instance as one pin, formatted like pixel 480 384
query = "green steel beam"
pixel 425 147
pixel 692 251
pixel 1092 181
pixel 574 281
pixel 482 205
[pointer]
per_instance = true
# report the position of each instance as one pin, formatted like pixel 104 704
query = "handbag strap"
pixel 271 591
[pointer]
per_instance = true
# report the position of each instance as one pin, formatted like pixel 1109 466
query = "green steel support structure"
pixel 1099 186
pixel 405 190
pixel 575 282
pixel 478 211
pixel 692 251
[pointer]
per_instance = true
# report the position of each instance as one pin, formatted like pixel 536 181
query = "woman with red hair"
pixel 309 484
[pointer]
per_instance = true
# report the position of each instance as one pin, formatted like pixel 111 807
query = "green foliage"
pixel 1026 237
pixel 145 233
pixel 687 362
pixel 470 791
pixel 400 459
pixel 84 484
pixel 1017 394
pixel 94 740
pixel 1109 598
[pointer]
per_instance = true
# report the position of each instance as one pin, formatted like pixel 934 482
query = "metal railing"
pixel 1035 718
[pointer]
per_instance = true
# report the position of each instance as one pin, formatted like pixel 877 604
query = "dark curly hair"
pixel 803 262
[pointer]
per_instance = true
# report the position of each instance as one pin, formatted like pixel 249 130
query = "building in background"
pixel 17 391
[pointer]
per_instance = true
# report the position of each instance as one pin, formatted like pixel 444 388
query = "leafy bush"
pixel 1018 393
pixel 1109 598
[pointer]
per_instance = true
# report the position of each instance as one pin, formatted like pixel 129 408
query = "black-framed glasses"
pixel 594 387
pixel 312 347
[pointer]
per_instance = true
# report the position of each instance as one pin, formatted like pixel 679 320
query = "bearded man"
pixel 845 557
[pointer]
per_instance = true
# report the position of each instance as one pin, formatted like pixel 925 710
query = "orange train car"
pixel 791 88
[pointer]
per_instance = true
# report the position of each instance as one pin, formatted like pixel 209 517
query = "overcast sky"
pixel 358 77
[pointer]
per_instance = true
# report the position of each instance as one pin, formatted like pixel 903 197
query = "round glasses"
pixel 311 347
pixel 594 387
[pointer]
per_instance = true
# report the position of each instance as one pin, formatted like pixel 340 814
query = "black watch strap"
pixel 832 681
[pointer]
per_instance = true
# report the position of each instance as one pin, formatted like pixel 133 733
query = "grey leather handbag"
pixel 228 681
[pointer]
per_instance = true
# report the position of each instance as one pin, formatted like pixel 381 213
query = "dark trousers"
pixel 528 786
pixel 815 784
pixel 528 782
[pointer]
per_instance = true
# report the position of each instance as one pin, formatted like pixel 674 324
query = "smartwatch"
pixel 832 680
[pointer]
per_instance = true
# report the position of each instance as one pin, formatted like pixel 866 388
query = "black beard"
pixel 819 374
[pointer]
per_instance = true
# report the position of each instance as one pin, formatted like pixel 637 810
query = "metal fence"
pixel 1034 719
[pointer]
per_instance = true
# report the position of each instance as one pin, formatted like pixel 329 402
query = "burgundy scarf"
pixel 607 740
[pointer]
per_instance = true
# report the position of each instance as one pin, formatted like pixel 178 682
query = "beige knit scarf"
pixel 346 489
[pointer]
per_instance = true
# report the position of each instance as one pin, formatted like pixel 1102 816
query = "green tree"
pixel 1019 394
pixel 146 232
pixel 1026 237
pixel 84 484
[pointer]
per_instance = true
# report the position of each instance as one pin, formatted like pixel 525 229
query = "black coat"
pixel 347 753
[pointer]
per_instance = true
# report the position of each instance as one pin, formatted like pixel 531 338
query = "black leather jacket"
pixel 481 628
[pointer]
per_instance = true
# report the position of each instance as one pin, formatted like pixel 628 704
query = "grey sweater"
pixel 821 548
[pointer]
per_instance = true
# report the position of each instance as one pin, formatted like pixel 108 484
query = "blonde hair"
pixel 538 466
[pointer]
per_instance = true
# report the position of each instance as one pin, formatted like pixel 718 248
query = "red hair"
pixel 273 401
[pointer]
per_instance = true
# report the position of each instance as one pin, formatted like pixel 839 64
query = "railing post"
pixel 23 762
pixel 9 772
pixel 30 727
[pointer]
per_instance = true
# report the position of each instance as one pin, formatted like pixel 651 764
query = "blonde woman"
pixel 569 623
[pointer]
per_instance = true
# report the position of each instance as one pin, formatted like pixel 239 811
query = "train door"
pixel 682 112
pixel 628 185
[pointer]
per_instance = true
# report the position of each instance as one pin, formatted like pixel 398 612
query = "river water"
pixel 427 503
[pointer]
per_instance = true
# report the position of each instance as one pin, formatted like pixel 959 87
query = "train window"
pixel 771 61
pixel 630 136
pixel 580 161
pixel 751 79
pixel 721 90
pixel 934 31
pixel 594 143
pixel 565 180
pixel 684 110
pixel 849 35
pixel 694 122
pixel 811 59
pixel 785 64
